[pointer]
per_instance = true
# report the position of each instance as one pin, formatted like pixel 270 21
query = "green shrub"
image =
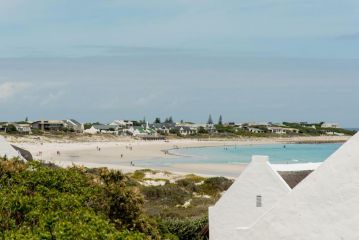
pixel 187 229
pixel 138 175
pixel 41 202
pixel 214 186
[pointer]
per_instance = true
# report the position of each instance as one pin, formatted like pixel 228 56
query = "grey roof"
pixel 76 122
pixel 185 128
pixel 162 125
pixel 105 127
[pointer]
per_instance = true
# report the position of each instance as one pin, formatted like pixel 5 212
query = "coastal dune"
pixel 126 154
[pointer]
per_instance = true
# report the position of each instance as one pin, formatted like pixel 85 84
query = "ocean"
pixel 278 153
pixel 353 129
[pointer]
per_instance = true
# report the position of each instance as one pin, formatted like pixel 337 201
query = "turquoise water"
pixel 278 153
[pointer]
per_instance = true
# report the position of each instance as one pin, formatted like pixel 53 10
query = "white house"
pixel 95 129
pixel 74 125
pixel 23 127
pixel 8 151
pixel 255 130
pixel 142 131
pixel 323 206
pixel 330 125
pixel 253 193
pixel 281 130
pixel 122 123
pixel 185 131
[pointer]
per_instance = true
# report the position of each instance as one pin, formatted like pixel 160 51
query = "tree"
pixel 11 128
pixel 220 120
pixel 157 120
pixel 202 130
pixel 169 120
pixel 26 119
pixel 87 126
pixel 210 121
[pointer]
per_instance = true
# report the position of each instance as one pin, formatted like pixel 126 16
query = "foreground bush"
pixel 187 229
pixel 42 202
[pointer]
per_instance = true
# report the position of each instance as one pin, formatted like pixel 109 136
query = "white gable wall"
pixel 237 207
pixel 325 205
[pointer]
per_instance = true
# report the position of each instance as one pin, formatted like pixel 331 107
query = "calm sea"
pixel 278 153
pixel 353 129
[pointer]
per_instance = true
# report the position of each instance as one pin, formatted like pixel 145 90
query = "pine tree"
pixel 220 120
pixel 210 121
pixel 158 120
pixel 170 120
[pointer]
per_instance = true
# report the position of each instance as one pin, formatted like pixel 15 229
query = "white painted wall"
pixel 237 207
pixel 325 205
pixel 91 130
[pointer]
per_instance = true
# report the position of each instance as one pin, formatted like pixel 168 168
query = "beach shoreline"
pixel 122 153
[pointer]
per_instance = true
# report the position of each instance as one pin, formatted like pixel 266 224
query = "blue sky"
pixel 249 60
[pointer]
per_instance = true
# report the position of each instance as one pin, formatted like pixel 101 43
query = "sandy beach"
pixel 118 153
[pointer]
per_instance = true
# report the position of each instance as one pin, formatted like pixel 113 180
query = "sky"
pixel 247 60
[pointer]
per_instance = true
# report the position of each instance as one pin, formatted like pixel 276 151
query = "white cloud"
pixel 9 89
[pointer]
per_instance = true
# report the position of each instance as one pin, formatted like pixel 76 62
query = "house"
pixel 281 130
pixel 74 125
pixel 258 124
pixel 253 193
pixel 255 130
pixel 163 128
pixel 122 123
pixel 196 126
pixel 330 125
pixel 23 127
pixel 335 133
pixel 48 125
pixel 97 129
pixel 233 124
pixel 323 206
pixel 3 126
pixel 137 131
pixel 185 131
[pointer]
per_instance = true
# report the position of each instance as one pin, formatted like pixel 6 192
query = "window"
pixel 259 201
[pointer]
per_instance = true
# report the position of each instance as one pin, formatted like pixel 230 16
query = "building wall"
pixel 237 207
pixel 322 206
